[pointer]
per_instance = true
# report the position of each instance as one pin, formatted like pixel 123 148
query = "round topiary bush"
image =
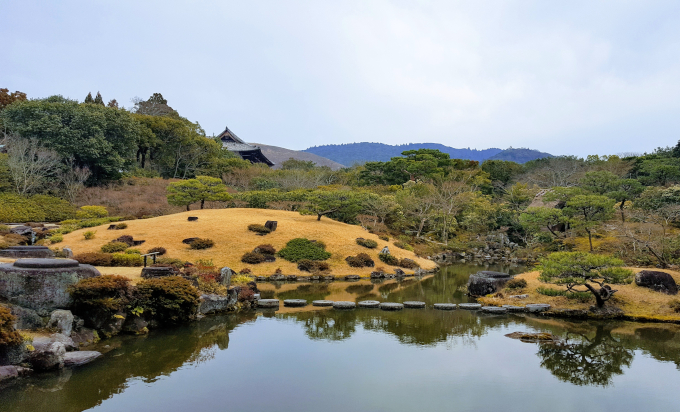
pixel 259 229
pixel 94 259
pixel 8 335
pixel 253 258
pixel 368 243
pixel 89 235
pixel 516 284
pixel 312 266
pixel 265 250
pixel 360 261
pixel 121 226
pixel 113 247
pixel 199 244
pixel 169 300
pixel 160 250
pixel 97 299
pixel 407 263
pixel 301 248
pixel 388 259
pixel 91 212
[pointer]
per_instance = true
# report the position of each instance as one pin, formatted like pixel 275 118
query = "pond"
pixel 319 359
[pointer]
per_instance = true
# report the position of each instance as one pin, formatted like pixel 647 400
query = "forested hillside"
pixel 521 155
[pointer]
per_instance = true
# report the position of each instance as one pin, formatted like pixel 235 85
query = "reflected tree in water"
pixel 586 361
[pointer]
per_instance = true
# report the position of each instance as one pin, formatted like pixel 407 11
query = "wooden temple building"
pixel 246 151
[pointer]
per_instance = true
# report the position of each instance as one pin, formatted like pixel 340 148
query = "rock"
pixel 377 275
pixel 68 253
pixel 8 373
pixel 188 241
pixel 537 307
pixel 369 304
pixel 414 304
pixel 26 318
pixel 21 230
pixel 44 341
pixel 62 320
pixel 136 325
pixel 84 337
pixel 192 218
pixel 277 277
pixel 494 309
pixel 13 355
pixel 271 225
pixel 344 305
pixel 79 358
pixel 225 276
pixel 151 272
pixel 352 277
pixel 47 357
pixel 329 277
pixel 469 306
pixel 322 303
pixel 295 303
pixel 486 282
pixel 292 278
pixel 400 273
pixel 391 306
pixel 41 284
pixel 445 306
pixel 315 277
pixel 268 303
pixel 113 325
pixel 533 337
pixel 212 303
pixel 657 281
pixel 512 308
pixel 524 296
pixel 385 251
pixel 20 252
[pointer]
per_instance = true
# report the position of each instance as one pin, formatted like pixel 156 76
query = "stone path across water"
pixel 394 306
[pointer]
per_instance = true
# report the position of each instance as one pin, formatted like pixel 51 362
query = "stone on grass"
pixel 322 303
pixel 412 304
pixel 391 306
pixel 62 321
pixel 79 358
pixel 537 307
pixel 294 303
pixel 469 306
pixel 344 305
pixel 369 304
pixel 657 281
pixel 445 306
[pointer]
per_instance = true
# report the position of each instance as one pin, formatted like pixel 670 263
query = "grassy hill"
pixel 351 153
pixel 279 155
pixel 228 228
pixel 519 155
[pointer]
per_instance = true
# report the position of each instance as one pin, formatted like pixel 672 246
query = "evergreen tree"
pixel 99 100
pixel 89 98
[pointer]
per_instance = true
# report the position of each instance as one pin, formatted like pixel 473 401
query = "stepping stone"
pixel 344 305
pixel 513 308
pixel 469 306
pixel 494 309
pixel 369 304
pixel 352 277
pixel 268 303
pixel 445 306
pixel 80 357
pixel 414 304
pixel 294 303
pixel 391 306
pixel 322 303
pixel 537 307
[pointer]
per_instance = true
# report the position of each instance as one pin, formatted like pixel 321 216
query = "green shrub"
pixel 265 250
pixel 127 260
pixel 55 209
pixel 580 296
pixel 160 250
pixel 36 208
pixel 169 300
pixel 260 229
pixel 95 259
pixel 312 266
pixel 550 291
pixel 89 235
pixel 407 263
pixel 56 238
pixel 8 335
pixel 301 248
pixel 91 212
pixel 253 258
pixel 405 246
pixel 388 259
pixel 199 244
pixel 369 243
pixel 4 229
pixel 516 284
pixel 113 247
pixel 106 294
pixel 133 252
pixel 121 226
pixel 383 237
pixel 360 261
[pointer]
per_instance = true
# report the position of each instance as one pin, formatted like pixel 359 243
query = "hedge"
pixel 36 208
pixel 301 248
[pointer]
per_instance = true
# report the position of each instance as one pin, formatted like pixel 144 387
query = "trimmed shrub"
pixel 169 300
pixel 160 250
pixel 265 250
pixel 199 244
pixel 101 295
pixel 246 295
pixel 369 243
pixel 91 212
pixel 133 252
pixel 56 238
pixel 121 226
pixel 383 237
pixel 407 263
pixel 175 263
pixel 388 259
pixel 89 235
pixel 241 279
pixel 253 258
pixel 36 208
pixel 127 259
pixel 359 261
pixel 259 229
pixel 126 239
pixel 4 229
pixel 94 259
pixel 304 249
pixel 312 266
pixel 516 284
pixel 113 247
pixel 405 246
pixel 550 291
pixel 8 335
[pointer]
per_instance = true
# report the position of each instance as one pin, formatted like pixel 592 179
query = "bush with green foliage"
pixel 133 252
pixel 8 335
pixel 127 260
pixel 253 258
pixel 4 229
pixel 516 284
pixel 302 248
pixel 101 296
pixel 199 244
pixel 89 235
pixel 121 226
pixel 36 208
pixel 169 300
pixel 580 296
pixel 160 250
pixel 312 266
pixel 115 246
pixel 388 259
pixel 383 237
pixel 259 229
pixel 403 245
pixel 91 212
pixel 360 261
pixel 369 243
pixel 94 259
pixel 56 238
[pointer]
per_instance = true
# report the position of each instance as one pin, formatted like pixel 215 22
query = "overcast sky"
pixel 570 77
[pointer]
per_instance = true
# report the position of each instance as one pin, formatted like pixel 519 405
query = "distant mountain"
pixel 279 155
pixel 519 155
pixel 351 153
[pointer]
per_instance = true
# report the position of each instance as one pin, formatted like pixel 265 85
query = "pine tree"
pixel 99 99
pixel 89 98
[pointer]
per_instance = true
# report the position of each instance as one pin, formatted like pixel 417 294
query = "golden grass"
pixel 635 301
pixel 229 229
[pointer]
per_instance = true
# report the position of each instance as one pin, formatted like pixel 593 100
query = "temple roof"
pixel 246 151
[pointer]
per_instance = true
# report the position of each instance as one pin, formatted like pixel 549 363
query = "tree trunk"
pixel 188 204
pixel 420 228
pixel 318 216
pixel 623 217
pixel 596 293
pixel 590 240
pixel 202 203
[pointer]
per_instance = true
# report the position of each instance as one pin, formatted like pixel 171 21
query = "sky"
pixel 564 77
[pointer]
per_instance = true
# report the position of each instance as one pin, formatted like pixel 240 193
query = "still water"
pixel 313 359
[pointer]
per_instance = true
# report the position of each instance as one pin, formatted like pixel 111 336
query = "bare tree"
pixel 562 171
pixel 30 164
pixel 73 178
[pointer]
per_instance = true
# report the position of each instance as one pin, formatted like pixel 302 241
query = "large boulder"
pixel 8 372
pixel 79 358
pixel 47 356
pixel 656 280
pixel 13 355
pixel 84 337
pixel 26 318
pixel 67 341
pixel 211 303
pixel 41 284
pixel 61 320
pixel 225 276
pixel 486 282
